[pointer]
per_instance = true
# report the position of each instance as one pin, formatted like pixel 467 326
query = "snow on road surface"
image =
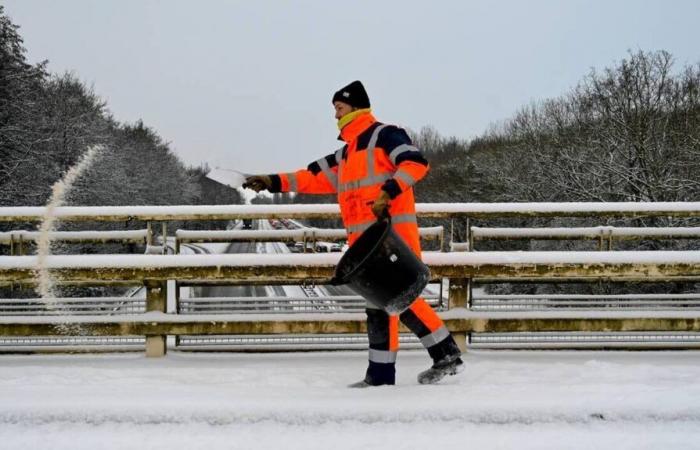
pixel 524 400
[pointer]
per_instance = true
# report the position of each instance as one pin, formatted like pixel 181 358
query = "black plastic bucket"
pixel 383 269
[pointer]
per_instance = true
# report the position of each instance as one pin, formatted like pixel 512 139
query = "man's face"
pixel 342 109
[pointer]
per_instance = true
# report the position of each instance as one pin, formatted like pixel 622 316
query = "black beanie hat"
pixel 353 94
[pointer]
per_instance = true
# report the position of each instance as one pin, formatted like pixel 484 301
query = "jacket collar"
pixel 351 131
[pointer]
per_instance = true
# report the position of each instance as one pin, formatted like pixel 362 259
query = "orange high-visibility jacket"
pixel 376 156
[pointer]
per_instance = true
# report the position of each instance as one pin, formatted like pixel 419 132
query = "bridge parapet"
pixel 461 269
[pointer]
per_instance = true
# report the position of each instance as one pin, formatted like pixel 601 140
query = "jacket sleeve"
pixel 320 177
pixel 411 165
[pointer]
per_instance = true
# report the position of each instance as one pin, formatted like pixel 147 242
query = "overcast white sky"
pixel 247 84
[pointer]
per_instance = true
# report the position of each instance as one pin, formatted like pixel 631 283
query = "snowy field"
pixel 524 400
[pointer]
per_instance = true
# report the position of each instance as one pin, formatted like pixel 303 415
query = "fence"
pixel 460 269
pixel 604 235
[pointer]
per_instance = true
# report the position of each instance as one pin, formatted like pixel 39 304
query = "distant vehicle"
pixel 247 224
pixel 327 247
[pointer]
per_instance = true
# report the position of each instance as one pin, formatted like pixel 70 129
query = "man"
pixel 373 175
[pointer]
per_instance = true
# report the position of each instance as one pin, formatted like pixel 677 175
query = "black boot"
pixel 378 374
pixel 446 361
pixel 450 365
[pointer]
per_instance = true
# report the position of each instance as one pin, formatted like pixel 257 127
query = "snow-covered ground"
pixel 523 400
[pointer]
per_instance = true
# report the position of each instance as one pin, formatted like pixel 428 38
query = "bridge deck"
pixel 524 400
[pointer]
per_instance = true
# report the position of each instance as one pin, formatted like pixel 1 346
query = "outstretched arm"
pixel 319 177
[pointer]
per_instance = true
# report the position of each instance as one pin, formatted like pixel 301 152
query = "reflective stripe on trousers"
pixel 435 337
pixel 382 356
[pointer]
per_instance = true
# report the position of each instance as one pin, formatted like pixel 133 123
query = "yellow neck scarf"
pixel 349 117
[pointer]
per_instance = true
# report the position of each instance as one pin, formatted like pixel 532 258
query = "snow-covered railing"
pixel 153 271
pixel 460 321
pixel 460 268
pixel 72 306
pixel 300 211
pixel 306 234
pixel 512 302
pixel 17 238
pixel 277 305
pixel 600 233
pixel 319 268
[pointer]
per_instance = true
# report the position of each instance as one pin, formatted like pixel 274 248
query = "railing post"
pixel 156 300
pixel 149 234
pixel 469 236
pixel 452 232
pixel 460 297
pixel 164 232
pixel 12 244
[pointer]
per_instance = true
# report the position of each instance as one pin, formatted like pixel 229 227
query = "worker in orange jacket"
pixel 374 174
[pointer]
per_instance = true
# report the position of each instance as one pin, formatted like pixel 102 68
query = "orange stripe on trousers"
pixel 426 314
pixel 393 333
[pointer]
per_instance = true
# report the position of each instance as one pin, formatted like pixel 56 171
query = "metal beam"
pixel 326 211
pixel 281 274
pixel 209 325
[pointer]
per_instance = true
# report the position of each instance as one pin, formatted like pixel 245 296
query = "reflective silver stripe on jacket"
pixel 371 178
pixel 405 177
pixel 339 155
pixel 435 337
pixel 370 149
pixel 292 179
pixel 326 169
pixel 399 218
pixel 403 148
pixel 382 356
pixel 364 182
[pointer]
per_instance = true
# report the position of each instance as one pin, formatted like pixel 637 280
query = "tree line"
pixel 47 121
pixel 628 133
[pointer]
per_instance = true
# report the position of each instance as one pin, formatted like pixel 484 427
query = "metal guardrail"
pixel 332 211
pixel 605 235
pixel 461 270
pixel 303 235
pixel 17 239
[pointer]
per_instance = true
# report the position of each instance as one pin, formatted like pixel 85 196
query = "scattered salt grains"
pixel 46 285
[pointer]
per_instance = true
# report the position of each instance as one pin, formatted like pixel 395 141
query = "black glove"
pixel 258 182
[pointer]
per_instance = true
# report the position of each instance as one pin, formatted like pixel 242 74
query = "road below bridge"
pixel 267 291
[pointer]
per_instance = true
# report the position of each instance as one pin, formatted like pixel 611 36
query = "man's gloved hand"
pixel 258 182
pixel 380 207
